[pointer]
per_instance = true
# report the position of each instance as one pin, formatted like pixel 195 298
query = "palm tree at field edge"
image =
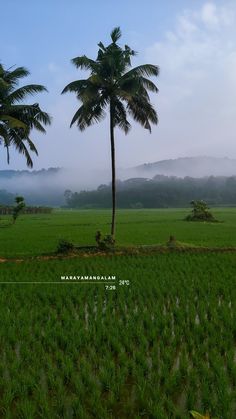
pixel 113 84
pixel 18 119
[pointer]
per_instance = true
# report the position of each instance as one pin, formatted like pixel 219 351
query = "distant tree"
pixel 68 196
pixel 18 208
pixel 200 212
pixel 114 84
pixel 17 119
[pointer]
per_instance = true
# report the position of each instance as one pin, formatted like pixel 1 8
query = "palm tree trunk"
pixel 113 169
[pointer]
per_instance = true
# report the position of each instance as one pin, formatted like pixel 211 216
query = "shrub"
pixel 200 212
pixel 64 246
pixel 18 208
pixel 104 243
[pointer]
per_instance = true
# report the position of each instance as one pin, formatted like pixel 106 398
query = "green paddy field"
pixel 36 234
pixel 158 341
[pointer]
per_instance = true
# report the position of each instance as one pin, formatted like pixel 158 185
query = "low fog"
pixel 47 187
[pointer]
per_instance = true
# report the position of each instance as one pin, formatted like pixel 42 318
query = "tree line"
pixel 159 192
pixel 8 210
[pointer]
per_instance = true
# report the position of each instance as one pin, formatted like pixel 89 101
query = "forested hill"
pixel 10 174
pixel 161 184
pixel 189 166
pixel 159 192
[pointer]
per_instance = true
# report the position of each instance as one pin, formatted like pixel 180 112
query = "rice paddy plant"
pixel 159 348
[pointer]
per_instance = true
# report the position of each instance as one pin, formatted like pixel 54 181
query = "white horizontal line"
pixel 57 282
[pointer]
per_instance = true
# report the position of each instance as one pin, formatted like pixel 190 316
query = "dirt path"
pixel 129 251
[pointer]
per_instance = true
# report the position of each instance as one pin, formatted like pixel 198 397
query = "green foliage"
pixel 17 119
pixel 106 242
pixel 200 212
pixel 18 208
pixel 64 246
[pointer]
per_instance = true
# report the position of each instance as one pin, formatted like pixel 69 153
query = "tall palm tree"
pixel 113 84
pixel 16 119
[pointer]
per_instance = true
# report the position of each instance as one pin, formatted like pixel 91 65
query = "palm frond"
pixel 101 46
pixel 115 34
pixel 85 63
pixel 132 86
pixel 88 114
pixel 142 112
pixel 13 122
pixel 120 116
pixel 3 131
pixel 29 113
pixel 130 51
pixel 84 89
pixel 43 117
pixel 21 93
pixel 19 145
pixel 31 146
pixel 147 70
pixel 13 76
pixel 39 127
pixel 5 139
pixel 148 84
pixel 74 86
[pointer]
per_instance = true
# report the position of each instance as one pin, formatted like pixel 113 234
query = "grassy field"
pixel 36 234
pixel 156 348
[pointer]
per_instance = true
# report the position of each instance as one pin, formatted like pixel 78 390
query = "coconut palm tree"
pixel 16 118
pixel 112 84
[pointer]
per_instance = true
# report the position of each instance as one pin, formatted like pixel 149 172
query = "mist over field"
pixel 47 187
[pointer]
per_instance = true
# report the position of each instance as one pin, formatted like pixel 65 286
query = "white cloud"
pixel 209 14
pixel 197 99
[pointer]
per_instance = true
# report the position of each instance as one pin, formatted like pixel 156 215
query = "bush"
pixel 18 208
pixel 64 246
pixel 104 243
pixel 200 212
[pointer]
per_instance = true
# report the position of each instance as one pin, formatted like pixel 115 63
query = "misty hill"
pixel 10 174
pixel 39 187
pixel 189 166
pixel 46 187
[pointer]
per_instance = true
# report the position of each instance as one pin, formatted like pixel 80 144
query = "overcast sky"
pixel 193 42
